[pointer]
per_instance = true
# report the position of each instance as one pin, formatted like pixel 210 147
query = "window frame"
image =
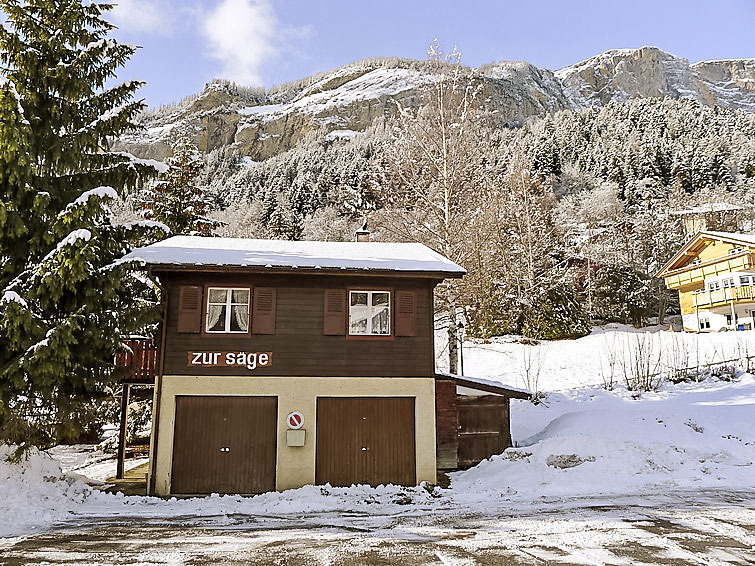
pixel 391 314
pixel 206 311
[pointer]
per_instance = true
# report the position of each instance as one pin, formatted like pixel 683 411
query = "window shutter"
pixel 263 310
pixel 334 319
pixel 406 313
pixel 189 309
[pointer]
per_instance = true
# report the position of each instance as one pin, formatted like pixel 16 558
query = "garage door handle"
pixel 225 449
pixel 364 449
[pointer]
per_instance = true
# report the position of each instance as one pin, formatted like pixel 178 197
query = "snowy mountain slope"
pixel 621 74
pixel 353 97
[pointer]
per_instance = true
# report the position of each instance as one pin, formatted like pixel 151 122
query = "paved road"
pixel 708 529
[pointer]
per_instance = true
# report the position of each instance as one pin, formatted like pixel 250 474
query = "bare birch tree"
pixel 431 189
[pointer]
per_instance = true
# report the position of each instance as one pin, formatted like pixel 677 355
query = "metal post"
pixel 461 346
pixel 119 473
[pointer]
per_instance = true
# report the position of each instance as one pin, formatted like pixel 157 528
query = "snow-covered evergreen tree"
pixel 64 299
pixel 176 199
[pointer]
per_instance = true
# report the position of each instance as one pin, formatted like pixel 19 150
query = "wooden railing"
pixel 709 298
pixel 140 360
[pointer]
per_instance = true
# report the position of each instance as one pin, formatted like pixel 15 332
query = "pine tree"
pixel 65 300
pixel 176 199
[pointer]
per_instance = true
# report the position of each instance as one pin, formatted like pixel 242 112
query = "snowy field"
pixel 582 444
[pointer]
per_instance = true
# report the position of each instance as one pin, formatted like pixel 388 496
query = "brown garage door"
pixel 224 444
pixel 367 440
pixel 483 427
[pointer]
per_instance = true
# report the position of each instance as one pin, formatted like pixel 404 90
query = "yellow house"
pixel 715 275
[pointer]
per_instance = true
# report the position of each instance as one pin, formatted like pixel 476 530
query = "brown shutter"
pixel 334 315
pixel 263 310
pixel 406 313
pixel 190 309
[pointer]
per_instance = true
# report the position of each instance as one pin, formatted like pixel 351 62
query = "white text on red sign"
pixel 249 360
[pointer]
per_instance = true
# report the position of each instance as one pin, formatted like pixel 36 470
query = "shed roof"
pixel 185 252
pixel 486 385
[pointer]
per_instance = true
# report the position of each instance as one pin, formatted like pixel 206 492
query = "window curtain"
pixel 213 316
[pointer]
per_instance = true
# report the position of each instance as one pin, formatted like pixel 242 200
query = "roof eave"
pixel 284 270
pixel 501 390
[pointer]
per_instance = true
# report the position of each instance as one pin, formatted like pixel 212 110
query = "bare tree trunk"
pixel 453 341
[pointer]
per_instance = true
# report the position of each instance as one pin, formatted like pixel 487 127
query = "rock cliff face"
pixel 353 97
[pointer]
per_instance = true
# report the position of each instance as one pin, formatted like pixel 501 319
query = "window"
pixel 704 323
pixel 735 251
pixel 227 310
pixel 369 313
pixel 696 261
pixel 714 285
pixel 744 280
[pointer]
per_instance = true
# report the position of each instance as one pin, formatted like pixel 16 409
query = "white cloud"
pixel 140 16
pixel 244 36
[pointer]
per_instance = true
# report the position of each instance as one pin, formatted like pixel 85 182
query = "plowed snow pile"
pixel 592 442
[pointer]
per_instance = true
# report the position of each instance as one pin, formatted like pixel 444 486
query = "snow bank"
pixel 595 442
pixel 34 494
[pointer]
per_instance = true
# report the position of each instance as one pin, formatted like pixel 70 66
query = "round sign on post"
pixel 295 420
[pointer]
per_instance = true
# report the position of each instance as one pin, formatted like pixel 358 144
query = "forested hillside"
pixel 559 218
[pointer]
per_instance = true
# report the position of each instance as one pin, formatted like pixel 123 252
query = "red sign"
pixel 295 420
pixel 249 360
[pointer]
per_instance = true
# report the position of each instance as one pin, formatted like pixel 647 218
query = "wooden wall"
pixel 299 346
pixel 446 424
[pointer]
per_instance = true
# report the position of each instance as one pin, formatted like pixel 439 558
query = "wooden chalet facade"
pixel 714 273
pixel 283 364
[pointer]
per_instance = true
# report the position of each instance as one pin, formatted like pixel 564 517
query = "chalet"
pixel 715 275
pixel 282 364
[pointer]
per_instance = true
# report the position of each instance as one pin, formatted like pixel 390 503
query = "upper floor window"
pixel 227 310
pixel 746 280
pixel 369 313
pixel 733 251
pixel 696 261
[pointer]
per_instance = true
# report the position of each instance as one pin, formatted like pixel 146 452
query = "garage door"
pixel 483 425
pixel 368 440
pixel 224 444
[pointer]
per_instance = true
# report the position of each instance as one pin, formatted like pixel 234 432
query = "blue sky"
pixel 264 42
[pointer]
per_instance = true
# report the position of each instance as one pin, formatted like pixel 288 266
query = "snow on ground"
pixel 578 443
pixel 595 442
pixel 566 364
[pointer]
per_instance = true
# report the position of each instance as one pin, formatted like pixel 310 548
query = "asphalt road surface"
pixel 708 529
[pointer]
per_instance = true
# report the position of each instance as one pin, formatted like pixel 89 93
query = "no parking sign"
pixel 295 420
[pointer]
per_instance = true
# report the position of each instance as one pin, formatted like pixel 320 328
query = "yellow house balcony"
pixel 708 299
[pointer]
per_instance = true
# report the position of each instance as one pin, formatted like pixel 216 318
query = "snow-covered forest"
pixel 607 190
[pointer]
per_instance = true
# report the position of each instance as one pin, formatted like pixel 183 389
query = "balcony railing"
pixel 138 363
pixel 722 296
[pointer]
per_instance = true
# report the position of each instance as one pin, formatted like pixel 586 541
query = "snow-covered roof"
pixel 737 237
pixel 238 252
pixel 487 385
pixel 708 208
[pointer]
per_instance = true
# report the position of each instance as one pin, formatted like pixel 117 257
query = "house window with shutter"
pixel 227 310
pixel 369 313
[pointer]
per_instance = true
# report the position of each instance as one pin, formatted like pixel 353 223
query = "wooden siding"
pixel 224 445
pixel 484 428
pixel 299 346
pixel 446 424
pixel 365 440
